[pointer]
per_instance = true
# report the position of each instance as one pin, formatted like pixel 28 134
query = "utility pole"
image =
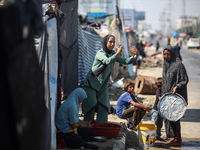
pixel 183 25
pixel 117 2
pixel 87 8
pixel 169 19
pixel 162 20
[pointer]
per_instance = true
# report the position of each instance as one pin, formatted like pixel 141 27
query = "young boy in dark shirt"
pixel 123 108
pixel 155 117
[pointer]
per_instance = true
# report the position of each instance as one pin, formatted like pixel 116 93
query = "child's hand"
pixel 147 108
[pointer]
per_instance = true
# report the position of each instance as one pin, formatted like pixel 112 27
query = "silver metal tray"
pixel 172 106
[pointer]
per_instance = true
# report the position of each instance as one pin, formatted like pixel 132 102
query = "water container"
pixel 146 135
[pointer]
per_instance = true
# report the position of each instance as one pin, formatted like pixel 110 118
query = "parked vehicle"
pixel 193 43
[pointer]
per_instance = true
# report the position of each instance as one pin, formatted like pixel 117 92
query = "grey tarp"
pixel 68 43
pixel 53 74
pixel 42 52
pixel 48 59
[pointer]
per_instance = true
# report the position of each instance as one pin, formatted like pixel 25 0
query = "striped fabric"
pixel 88 45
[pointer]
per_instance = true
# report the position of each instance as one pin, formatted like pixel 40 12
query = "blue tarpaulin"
pixel 88 45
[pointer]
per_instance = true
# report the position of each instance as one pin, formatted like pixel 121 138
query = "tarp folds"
pixel 42 52
pixel 53 74
pixel 68 43
pixel 48 57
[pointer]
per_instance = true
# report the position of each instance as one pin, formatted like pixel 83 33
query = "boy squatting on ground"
pixel 123 108
pixel 155 117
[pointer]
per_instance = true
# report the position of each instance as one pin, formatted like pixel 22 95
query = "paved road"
pixel 191 122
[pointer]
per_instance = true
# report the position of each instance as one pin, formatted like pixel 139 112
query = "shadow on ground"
pixel 191 115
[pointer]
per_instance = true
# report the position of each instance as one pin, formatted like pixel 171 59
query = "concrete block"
pixel 120 142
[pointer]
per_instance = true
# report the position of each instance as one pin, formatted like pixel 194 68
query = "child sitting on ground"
pixel 72 131
pixel 123 108
pixel 155 117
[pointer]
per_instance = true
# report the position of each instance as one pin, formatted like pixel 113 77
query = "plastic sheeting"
pixel 67 18
pixel 47 49
pixel 53 71
pixel 88 44
pixel 172 107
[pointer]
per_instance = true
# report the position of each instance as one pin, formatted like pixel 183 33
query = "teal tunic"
pixel 96 87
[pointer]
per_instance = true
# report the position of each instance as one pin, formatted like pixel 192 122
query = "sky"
pixel 154 8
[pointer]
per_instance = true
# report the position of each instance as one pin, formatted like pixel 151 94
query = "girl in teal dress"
pixel 97 79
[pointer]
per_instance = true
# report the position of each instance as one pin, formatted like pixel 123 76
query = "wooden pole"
pixel 123 19
pixel 87 8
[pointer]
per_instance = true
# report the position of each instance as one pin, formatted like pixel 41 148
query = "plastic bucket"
pixel 146 135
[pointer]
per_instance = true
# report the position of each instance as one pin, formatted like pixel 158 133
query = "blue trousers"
pixel 157 120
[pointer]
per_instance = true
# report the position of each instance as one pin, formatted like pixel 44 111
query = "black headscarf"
pixel 105 49
pixel 173 57
pixel 104 44
pixel 171 50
